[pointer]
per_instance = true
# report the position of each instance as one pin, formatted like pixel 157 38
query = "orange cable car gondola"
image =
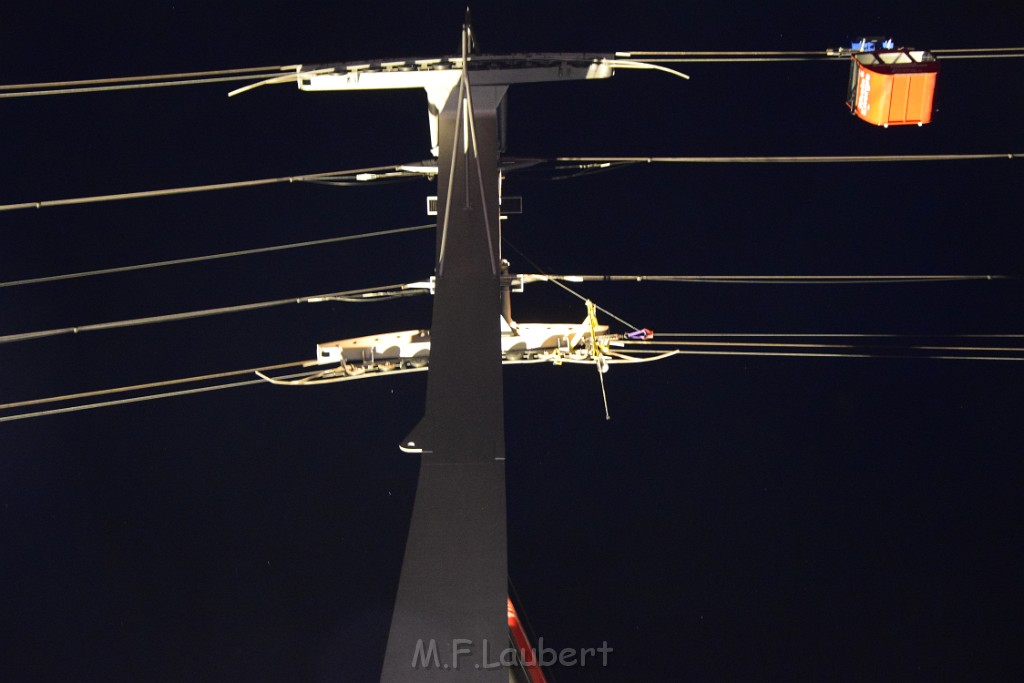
pixel 893 87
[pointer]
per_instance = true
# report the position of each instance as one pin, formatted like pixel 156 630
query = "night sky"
pixel 737 519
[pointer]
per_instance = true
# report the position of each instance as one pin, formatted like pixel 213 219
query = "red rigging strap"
pixel 526 653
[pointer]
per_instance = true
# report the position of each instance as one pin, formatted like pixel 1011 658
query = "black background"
pixel 738 518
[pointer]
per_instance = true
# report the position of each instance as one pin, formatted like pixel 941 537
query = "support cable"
pixel 603 310
pixel 820 58
pixel 832 54
pixel 212 257
pixel 147 397
pixel 772 279
pixel 273 74
pixel 795 345
pixel 148 385
pixel 1016 56
pixel 315 177
pixel 840 159
pixel 93 199
pixel 138 82
pixel 791 354
pixel 451 181
pixel 369 294
pixel 185 392
pixel 470 120
pixel 133 86
pixel 566 287
pixel 839 336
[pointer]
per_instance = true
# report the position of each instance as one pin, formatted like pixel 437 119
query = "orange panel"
pixel 898 102
pixel 919 98
pixel 873 91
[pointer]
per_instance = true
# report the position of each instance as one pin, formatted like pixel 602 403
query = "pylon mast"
pixel 452 594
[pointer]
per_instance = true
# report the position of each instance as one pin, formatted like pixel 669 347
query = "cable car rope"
pixel 567 288
pixel 982 56
pixel 93 199
pixel 716 53
pixel 270 72
pixel 603 310
pixel 211 257
pixel 697 56
pixel 369 293
pixel 794 159
pixel 311 177
pixel 979 49
pixel 390 291
pixel 149 385
pixel 147 397
pixel 795 354
pixel 804 345
pixel 839 335
pixel 799 351
pixel 139 82
pixel 772 279
pixel 716 60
